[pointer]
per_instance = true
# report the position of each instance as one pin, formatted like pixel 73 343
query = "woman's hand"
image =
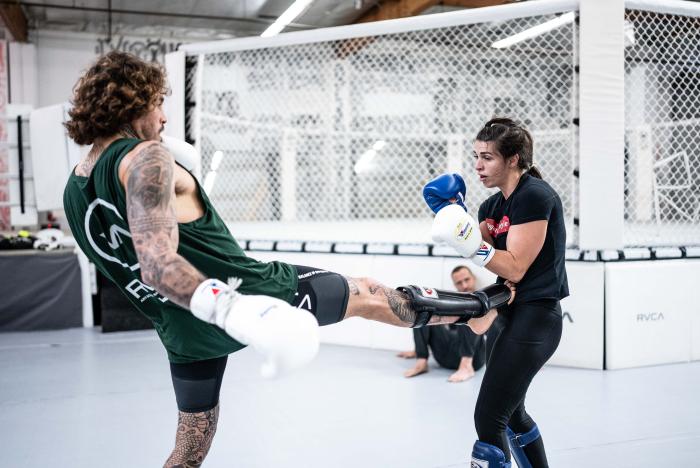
pixel 511 285
pixel 480 325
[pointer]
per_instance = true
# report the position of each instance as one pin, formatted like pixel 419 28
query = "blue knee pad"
pixel 518 441
pixel 488 456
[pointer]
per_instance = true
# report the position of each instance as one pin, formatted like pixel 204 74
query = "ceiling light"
pixel 629 34
pixel 216 160
pixel 287 17
pixel 535 31
pixel 209 182
pixel 366 161
pixel 378 145
pixel 364 164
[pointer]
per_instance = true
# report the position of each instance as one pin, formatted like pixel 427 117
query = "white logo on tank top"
pixel 116 233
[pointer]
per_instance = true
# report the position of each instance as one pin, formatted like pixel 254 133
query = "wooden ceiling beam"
pixel 392 9
pixel 475 3
pixel 15 21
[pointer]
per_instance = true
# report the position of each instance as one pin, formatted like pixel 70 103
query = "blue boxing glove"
pixel 439 191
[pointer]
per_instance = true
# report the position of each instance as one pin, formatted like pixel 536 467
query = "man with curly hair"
pixel 147 225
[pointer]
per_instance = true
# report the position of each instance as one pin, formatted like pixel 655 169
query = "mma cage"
pixel 330 134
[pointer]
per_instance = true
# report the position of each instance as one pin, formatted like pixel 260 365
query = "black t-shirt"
pixel 532 200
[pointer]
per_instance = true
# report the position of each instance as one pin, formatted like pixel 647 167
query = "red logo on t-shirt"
pixel 496 229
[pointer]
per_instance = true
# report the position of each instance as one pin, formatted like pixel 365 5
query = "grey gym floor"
pixel 79 398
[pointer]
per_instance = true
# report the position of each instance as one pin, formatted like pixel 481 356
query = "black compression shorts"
pixel 197 384
pixel 323 293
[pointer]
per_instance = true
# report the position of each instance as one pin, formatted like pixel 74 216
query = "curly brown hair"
pixel 118 89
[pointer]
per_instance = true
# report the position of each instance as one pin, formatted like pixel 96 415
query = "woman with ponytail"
pixel 524 222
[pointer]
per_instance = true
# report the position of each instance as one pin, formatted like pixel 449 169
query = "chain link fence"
pixel 350 130
pixel 662 114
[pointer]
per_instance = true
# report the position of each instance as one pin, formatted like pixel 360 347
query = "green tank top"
pixel 96 210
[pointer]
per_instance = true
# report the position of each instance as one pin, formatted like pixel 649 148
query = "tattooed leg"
pixel 374 301
pixel 195 432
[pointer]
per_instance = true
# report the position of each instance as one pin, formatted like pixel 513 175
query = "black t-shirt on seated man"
pixel 532 200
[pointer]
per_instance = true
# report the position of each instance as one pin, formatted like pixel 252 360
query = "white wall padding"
pixel 651 308
pixel 24 87
pixel 582 338
pixel 53 155
pixel 602 117
pixel 695 332
pixel 174 104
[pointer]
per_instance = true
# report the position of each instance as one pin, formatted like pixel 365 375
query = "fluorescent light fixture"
pixel 629 34
pixel 535 31
pixel 209 181
pixel 216 160
pixel 213 167
pixel 364 164
pixel 378 145
pixel 287 17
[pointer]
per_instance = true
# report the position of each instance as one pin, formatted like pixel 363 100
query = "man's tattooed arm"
pixel 399 304
pixel 150 198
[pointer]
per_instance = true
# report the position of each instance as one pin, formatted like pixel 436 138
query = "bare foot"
pixel 421 367
pixel 461 375
pixel 480 325
pixel 407 354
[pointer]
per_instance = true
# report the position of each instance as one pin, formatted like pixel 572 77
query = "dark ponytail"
pixel 510 139
pixel 534 172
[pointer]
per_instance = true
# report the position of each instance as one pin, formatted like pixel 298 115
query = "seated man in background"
pixel 454 347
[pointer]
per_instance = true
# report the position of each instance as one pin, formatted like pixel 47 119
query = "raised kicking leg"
pixel 413 306
pixel 332 297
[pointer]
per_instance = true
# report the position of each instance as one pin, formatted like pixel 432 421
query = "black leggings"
pixel 530 335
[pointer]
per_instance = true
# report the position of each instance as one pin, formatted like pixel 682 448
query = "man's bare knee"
pixel 365 294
